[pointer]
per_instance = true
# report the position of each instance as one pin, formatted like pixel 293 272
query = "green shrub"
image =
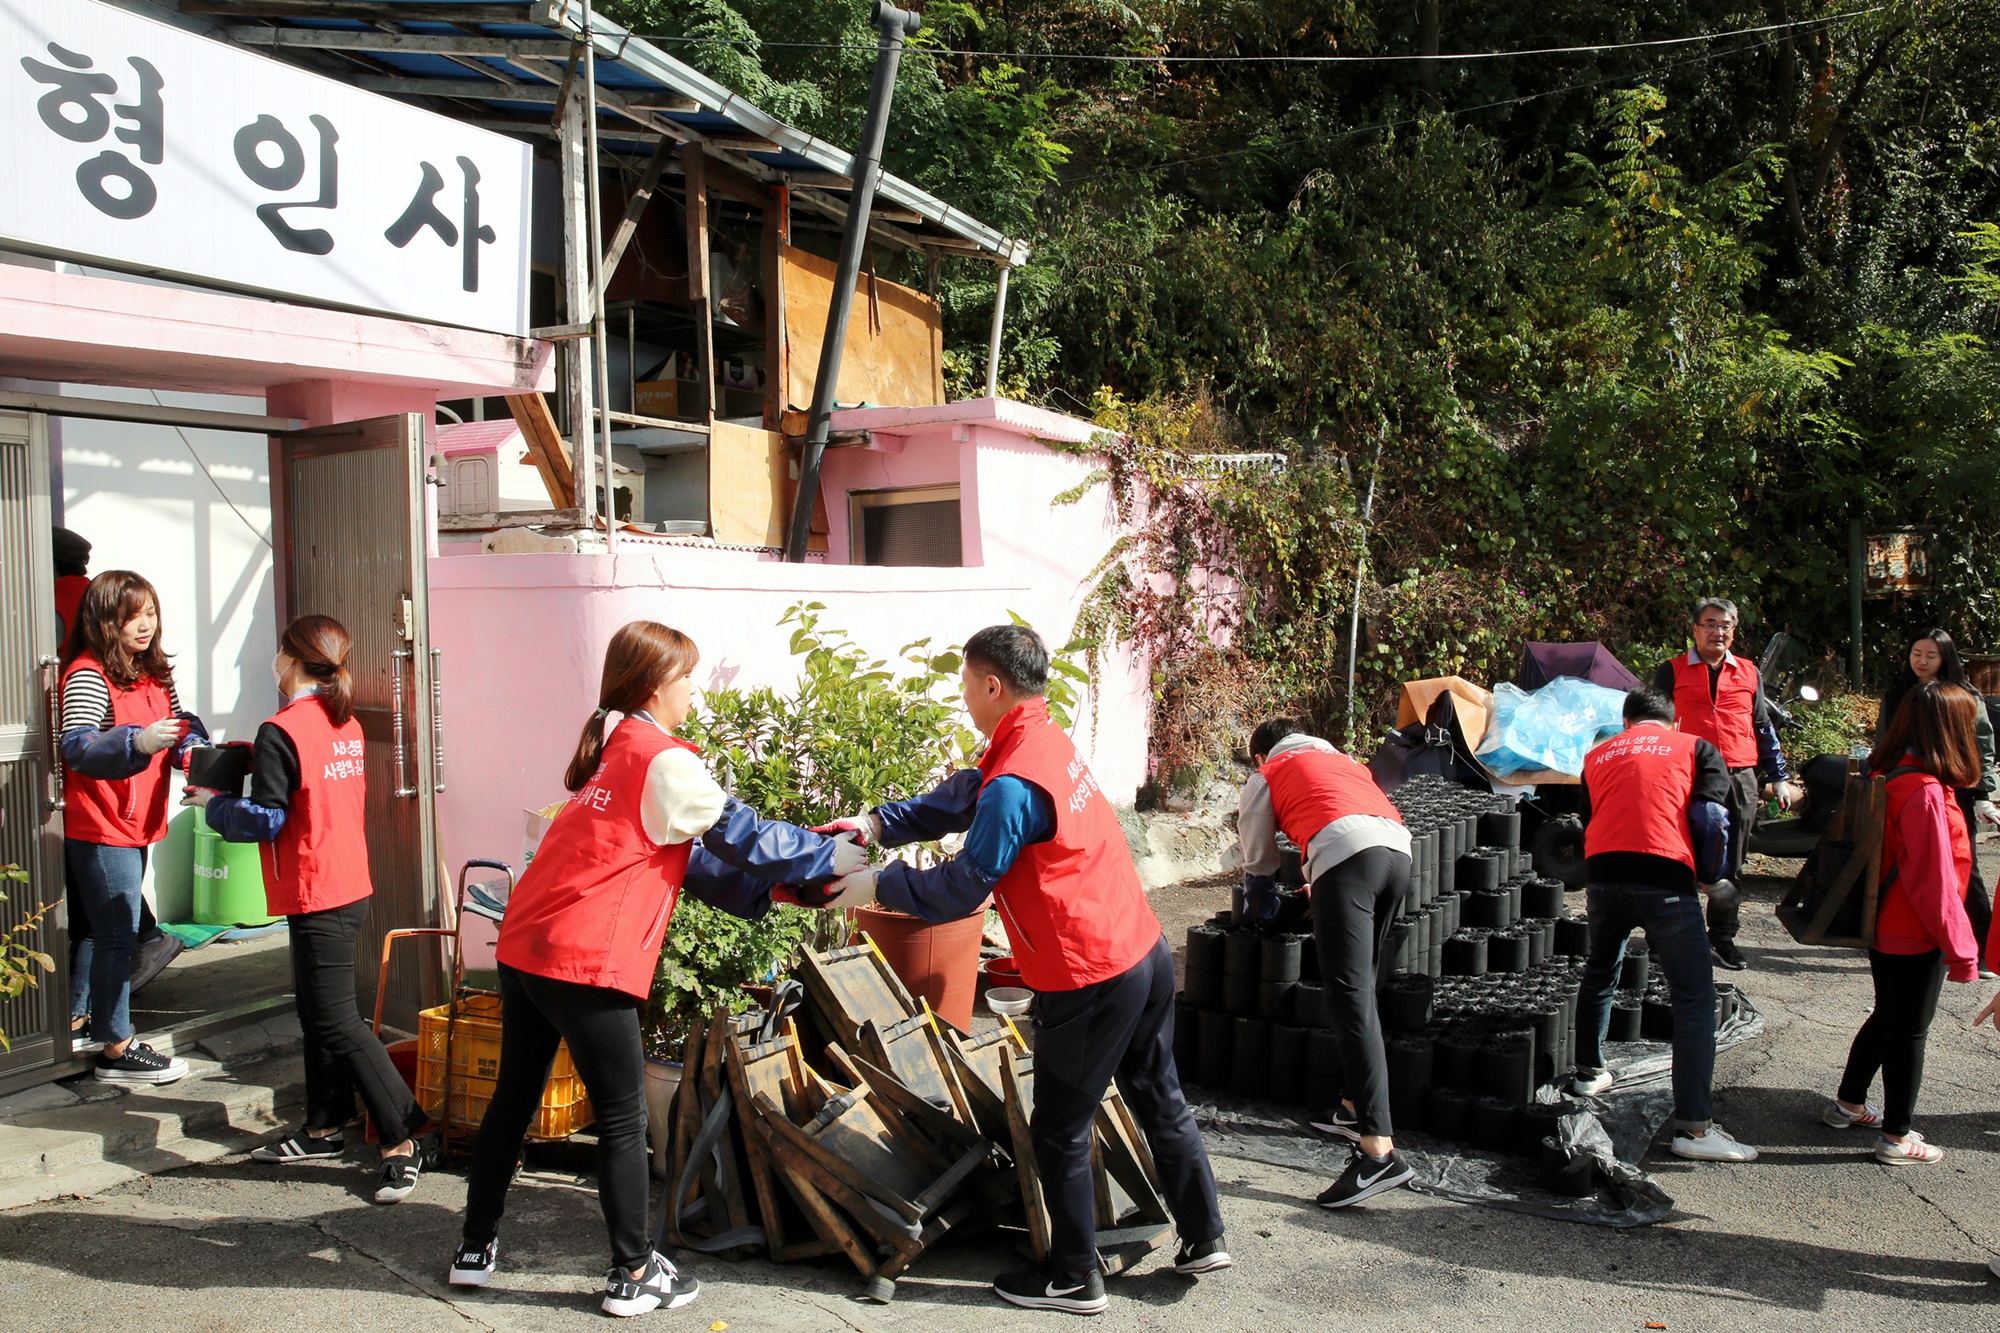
pixel 18 962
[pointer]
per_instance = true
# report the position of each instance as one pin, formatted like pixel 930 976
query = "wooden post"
pixel 777 355
pixel 578 366
pixel 700 303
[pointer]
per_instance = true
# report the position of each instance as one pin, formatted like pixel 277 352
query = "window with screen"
pixel 910 527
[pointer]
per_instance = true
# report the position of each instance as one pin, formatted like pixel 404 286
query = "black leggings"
pixel 1978 903
pixel 1892 1038
pixel 1353 905
pixel 342 1055
pixel 602 1028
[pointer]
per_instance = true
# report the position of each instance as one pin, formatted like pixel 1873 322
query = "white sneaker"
pixel 1993 1265
pixel 1591 1083
pixel 1910 1152
pixel 1839 1117
pixel 1714 1146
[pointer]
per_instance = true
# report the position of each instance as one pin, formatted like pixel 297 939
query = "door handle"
pixel 437 715
pixel 397 725
pixel 52 702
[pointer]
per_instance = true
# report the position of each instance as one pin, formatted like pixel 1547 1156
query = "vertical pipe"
pixel 577 302
pixel 1360 565
pixel 993 338
pixel 894 25
pixel 600 349
pixel 1857 574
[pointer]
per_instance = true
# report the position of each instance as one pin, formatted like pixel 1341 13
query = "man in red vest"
pixel 1655 833
pixel 1357 859
pixel 1718 697
pixel 1043 842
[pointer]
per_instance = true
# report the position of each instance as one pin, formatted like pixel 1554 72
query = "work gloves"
pixel 1984 812
pixel 855 890
pixel 1260 899
pixel 865 827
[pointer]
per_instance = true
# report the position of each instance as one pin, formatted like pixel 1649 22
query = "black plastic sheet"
pixel 1616 1132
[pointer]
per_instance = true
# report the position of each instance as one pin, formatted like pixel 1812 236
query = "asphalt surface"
pixel 1815 1234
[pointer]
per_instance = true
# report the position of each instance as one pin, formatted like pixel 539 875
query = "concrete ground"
pixel 1813 1235
pixel 220 975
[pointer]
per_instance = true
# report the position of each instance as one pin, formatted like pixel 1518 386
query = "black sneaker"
pixel 1364 1178
pixel 300 1147
pixel 1340 1121
pixel 400 1174
pixel 1727 955
pixel 1206 1257
pixel 140 1064
pixel 473 1264
pixel 625 1295
pixel 1050 1289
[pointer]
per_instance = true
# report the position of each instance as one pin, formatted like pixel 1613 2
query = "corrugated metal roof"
pixel 512 68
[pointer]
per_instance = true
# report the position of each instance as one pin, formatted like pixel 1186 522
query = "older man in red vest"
pixel 1718 697
pixel 1043 842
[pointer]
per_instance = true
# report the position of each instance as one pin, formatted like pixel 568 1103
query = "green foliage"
pixel 854 732
pixel 18 961
pixel 1833 725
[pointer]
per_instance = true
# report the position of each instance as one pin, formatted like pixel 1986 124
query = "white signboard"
pixel 141 146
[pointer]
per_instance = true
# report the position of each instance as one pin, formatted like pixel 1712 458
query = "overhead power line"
pixel 1166 57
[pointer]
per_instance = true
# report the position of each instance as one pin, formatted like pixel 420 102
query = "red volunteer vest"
pixel 1639 783
pixel 1310 788
pixel 130 812
pixel 1895 917
pixel 319 859
pixel 1075 910
pixel 69 593
pixel 593 905
pixel 1723 721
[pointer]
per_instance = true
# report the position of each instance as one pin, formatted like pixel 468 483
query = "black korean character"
pixel 286 175
pixel 424 212
pixel 73 109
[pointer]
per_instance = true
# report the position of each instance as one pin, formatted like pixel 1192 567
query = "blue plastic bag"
pixel 1552 728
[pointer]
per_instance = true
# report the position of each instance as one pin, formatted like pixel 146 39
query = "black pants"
pixel 1725 919
pixel 1978 904
pixel 342 1055
pixel 538 1014
pixel 1353 905
pixel 1892 1039
pixel 1124 1027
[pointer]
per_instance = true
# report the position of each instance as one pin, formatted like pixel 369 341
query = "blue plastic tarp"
pixel 1552 728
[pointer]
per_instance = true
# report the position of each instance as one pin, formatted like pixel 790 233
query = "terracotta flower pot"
pixel 939 963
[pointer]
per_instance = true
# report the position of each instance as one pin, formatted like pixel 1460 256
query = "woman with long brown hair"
pixel 123 729
pixel 1922 936
pixel 580 942
pixel 308 807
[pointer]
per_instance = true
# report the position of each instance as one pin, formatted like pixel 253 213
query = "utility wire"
pixel 1163 58
pixel 1406 121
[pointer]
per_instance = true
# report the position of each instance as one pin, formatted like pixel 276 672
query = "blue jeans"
pixel 1677 935
pixel 107 879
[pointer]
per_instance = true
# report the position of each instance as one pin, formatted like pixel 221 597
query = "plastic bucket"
pixel 228 881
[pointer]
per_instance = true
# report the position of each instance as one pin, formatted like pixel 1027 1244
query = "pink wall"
pixel 523 637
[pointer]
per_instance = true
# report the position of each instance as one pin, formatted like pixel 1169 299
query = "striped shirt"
pixel 86 702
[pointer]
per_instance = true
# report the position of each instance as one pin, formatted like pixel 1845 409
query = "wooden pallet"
pixel 1808 910
pixel 849 986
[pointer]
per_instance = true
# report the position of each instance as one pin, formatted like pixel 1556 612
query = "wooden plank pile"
pixel 849 1120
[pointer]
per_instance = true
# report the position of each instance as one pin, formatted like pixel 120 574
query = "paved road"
pixel 1812 1236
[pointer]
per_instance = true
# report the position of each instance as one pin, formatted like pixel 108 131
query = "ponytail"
pixel 321 645
pixel 642 657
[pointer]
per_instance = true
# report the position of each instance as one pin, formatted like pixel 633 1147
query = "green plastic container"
pixel 228 881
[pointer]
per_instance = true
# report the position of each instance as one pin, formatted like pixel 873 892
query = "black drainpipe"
pixel 894 25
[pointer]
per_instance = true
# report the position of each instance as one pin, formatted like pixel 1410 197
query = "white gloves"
pixel 1985 812
pixel 855 890
pixel 162 735
pixel 1788 794
pixel 865 827
pixel 848 856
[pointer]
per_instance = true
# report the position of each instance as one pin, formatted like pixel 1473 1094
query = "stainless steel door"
pixel 37 1020
pixel 349 509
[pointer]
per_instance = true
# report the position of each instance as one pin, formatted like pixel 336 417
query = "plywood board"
pixel 894 355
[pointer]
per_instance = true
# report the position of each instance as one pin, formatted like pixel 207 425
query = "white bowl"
pixel 1009 1001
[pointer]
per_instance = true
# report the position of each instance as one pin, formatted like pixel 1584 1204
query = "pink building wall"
pixel 523 635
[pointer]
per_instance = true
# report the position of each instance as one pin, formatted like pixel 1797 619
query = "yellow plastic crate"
pixel 474 1041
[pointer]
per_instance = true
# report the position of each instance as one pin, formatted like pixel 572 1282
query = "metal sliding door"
pixel 37 1020
pixel 348 504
